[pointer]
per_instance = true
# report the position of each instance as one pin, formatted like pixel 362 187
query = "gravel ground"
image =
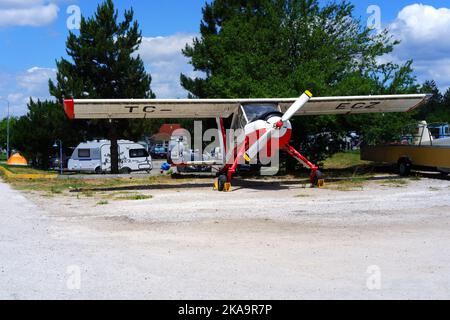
pixel 382 240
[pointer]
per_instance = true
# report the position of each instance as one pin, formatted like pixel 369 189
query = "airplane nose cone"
pixel 283 130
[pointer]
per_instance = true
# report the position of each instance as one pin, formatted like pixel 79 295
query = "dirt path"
pixel 280 242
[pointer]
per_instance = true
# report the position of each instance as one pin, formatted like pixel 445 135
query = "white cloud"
pixel 424 32
pixel 157 48
pixel 18 88
pixel 36 79
pixel 19 3
pixel 165 62
pixel 27 13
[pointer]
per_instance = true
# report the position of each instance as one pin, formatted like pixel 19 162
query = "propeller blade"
pixel 301 101
pixel 252 152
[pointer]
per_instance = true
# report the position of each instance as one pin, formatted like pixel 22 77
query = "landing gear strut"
pixel 223 182
pixel 316 177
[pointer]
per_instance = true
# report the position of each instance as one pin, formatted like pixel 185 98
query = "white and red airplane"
pixel 264 121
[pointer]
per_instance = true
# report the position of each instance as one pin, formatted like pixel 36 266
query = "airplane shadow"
pixel 257 183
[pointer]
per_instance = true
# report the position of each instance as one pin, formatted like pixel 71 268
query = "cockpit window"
pixel 255 111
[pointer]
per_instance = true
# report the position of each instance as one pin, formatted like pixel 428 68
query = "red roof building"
pixel 165 132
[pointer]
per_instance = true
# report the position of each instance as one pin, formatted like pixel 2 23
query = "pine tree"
pixel 437 109
pixel 279 48
pixel 104 65
pixel 266 48
pixel 35 133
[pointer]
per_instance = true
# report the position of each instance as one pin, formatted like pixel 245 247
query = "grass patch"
pixel 55 190
pixel 345 160
pixel 125 195
pixel 88 194
pixel 46 185
pixel 434 189
pixel 348 164
pixel 24 170
pixel 350 184
pixel 102 203
pixel 302 196
pixel 396 183
pixel 134 197
pixel 48 195
pixel 86 186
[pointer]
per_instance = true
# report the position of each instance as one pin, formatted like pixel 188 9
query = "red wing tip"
pixel 69 106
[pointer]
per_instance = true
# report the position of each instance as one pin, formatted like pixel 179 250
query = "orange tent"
pixel 17 160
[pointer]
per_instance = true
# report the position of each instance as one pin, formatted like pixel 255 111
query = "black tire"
pixel 221 182
pixel 404 167
pixel 98 170
pixel 317 177
pixel 125 170
pixel 443 173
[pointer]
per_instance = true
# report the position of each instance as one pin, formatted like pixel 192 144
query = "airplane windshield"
pixel 255 111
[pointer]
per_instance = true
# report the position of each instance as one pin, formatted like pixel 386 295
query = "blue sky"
pixel 33 33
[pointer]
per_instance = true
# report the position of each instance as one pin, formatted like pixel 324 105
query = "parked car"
pixel 54 161
pixel 158 151
pixel 95 156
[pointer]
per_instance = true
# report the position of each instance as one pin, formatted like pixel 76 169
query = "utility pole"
pixel 59 142
pixel 7 134
pixel 60 158
pixel 7 130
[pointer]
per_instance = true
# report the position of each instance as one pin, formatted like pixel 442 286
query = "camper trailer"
pixel 95 156
pixel 420 149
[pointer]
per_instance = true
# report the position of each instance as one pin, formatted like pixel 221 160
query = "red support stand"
pixel 230 170
pixel 306 163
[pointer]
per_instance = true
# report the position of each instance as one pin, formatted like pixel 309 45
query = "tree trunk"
pixel 114 148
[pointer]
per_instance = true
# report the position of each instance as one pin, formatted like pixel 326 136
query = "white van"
pixel 95 156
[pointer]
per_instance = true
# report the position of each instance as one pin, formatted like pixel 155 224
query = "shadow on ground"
pixel 360 173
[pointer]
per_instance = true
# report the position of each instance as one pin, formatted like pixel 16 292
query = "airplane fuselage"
pixel 256 129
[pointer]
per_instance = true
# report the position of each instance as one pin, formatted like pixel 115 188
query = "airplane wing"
pixel 150 108
pixel 223 108
pixel 359 104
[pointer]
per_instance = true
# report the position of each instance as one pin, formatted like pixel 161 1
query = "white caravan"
pixel 95 156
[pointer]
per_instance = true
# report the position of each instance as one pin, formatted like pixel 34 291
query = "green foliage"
pixel 438 107
pixel 255 48
pixel 3 130
pixel 279 48
pixel 35 133
pixel 269 48
pixel 104 64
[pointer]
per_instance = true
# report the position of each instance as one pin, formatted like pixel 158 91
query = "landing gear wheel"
pixel 125 170
pixel 443 173
pixel 317 179
pixel 404 168
pixel 221 181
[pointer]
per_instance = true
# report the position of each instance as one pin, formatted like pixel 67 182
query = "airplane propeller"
pixel 264 139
